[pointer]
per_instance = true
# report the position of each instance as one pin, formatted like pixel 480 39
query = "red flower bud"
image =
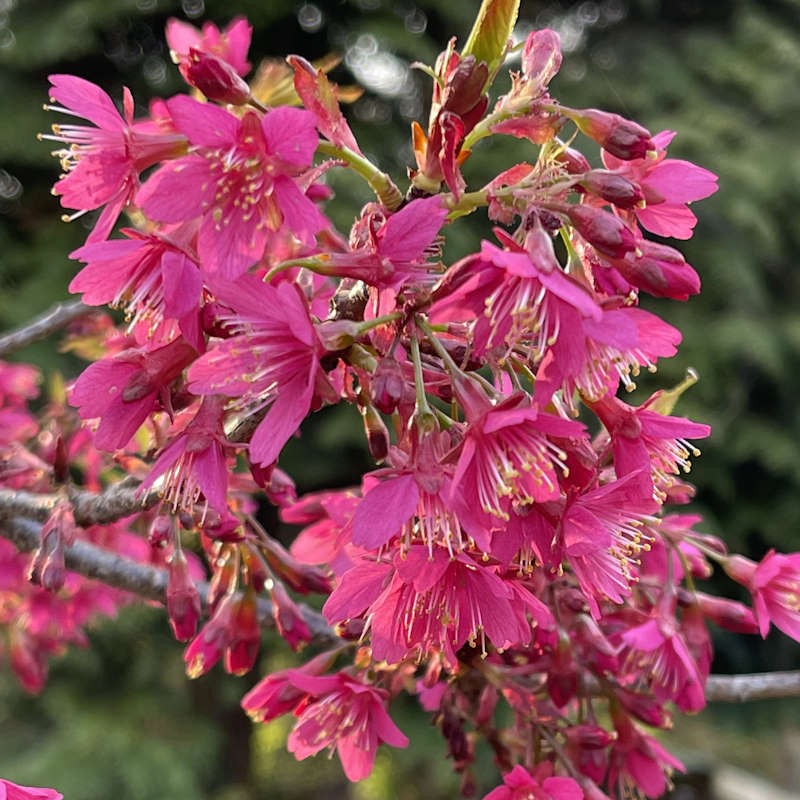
pixel 183 598
pixel 605 232
pixel 612 187
pixel 621 137
pixel 388 385
pixel 215 78
pixel 245 636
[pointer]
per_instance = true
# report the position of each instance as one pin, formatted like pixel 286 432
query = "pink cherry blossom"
pixel 345 714
pixel 775 585
pixel 271 360
pixel 668 185
pixel 103 163
pixel 230 45
pixel 239 179
pixel 13 791
pixel 520 784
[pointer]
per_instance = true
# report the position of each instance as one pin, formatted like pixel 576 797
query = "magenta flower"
pixel 193 464
pixel 508 456
pixel 514 297
pixel 775 585
pixel 595 356
pixel 519 784
pixel 390 250
pixel 13 791
pixel 647 441
pixel 152 276
pixel 122 390
pixel 272 360
pixel 429 600
pixel 102 164
pixel 347 715
pixel 239 179
pixel 230 45
pixel 668 185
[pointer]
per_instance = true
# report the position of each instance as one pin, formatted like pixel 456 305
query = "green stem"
pixel 425 414
pixel 380 183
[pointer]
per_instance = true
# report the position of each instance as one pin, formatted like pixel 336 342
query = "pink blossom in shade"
pixel 239 179
pixel 102 164
pixel 669 185
pixel 775 585
pixel 121 391
pixel 656 648
pixel 271 360
pixel 389 250
pixel 515 297
pixel 18 383
pixel 151 275
pixel 230 45
pixel 277 694
pixel 540 784
pixel 643 439
pixel 507 455
pixel 602 532
pixel 345 714
pixel 638 763
pixel 193 464
pixel 594 356
pixel 429 600
pixel 13 791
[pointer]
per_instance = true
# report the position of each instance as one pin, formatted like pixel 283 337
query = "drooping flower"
pixel 239 179
pixel 272 360
pixel 152 276
pixel 102 164
pixel 193 463
pixel 122 390
pixel 345 714
pixel 775 585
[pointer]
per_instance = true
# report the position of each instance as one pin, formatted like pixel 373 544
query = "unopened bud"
pixel 245 636
pixel 159 534
pixel 388 385
pixel 288 619
pixel 618 136
pixel 183 598
pixel 728 614
pixel 605 232
pixel 574 161
pixel 612 187
pixel 215 78
pixel 377 434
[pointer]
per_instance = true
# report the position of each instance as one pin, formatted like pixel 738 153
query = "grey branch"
pixel 119 500
pixel 757 686
pixel 52 320
pixel 145 581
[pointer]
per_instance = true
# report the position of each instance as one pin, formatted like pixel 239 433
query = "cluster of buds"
pixel 502 552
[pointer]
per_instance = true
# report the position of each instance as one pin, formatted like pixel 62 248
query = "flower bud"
pixel 605 232
pixel 726 613
pixel 159 534
pixel 612 187
pixel 388 385
pixel 377 434
pixel 206 648
pixel 183 598
pixel 215 78
pixel 245 636
pixel 288 618
pixel 618 136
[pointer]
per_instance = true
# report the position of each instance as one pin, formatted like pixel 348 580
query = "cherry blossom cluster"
pixel 518 560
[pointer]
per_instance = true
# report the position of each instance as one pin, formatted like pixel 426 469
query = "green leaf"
pixel 490 34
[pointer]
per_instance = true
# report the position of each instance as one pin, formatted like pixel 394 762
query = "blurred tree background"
pixel 119 719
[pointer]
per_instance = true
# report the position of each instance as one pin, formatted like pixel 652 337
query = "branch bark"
pixel 145 581
pixel 52 320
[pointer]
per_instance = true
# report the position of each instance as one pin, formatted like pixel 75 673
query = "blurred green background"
pixel 119 719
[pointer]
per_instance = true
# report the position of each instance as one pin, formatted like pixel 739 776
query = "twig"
pixel 118 501
pixel 756 686
pixel 52 320
pixel 147 582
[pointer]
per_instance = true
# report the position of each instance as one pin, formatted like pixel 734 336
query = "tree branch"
pixel 756 686
pixel 145 581
pixel 52 320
